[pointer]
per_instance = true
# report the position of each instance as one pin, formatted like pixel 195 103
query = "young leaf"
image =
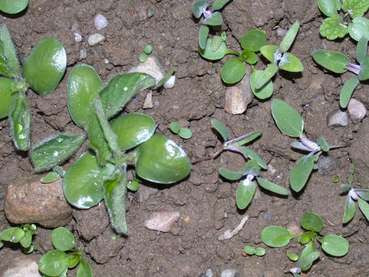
pixel 20 121
pixel 333 27
pixel 84 269
pixel 275 236
pixel 269 51
pixel 289 37
pixel 219 4
pixel 307 237
pixel 215 19
pixel 9 51
pixel 301 172
pixel 362 49
pixel 253 40
pixel 334 245
pixel 55 151
pixel 63 239
pixel 45 66
pixel 248 57
pixel 272 187
pixel 364 208
pixel 291 63
pixel 233 71
pixel 26 241
pixel 7 87
pixel 287 119
pixel 350 210
pixel 49 178
pixel 13 6
pixel 260 251
pixel 216 49
pixel 203 36
pixel 174 127
pixel 263 93
pixel 355 7
pixel 245 193
pixel 323 144
pixel 198 8
pixel 185 133
pixel 231 175
pixel 347 90
pixel 246 139
pixel 292 256
pixel 363 193
pixel 250 154
pixel 12 234
pixel 221 129
pixel 249 250
pixel 308 256
pixel 332 60
pixel 359 28
pixel 83 183
pixel 267 74
pixel 312 222
pixel 53 263
pixel 134 185
pixel 328 7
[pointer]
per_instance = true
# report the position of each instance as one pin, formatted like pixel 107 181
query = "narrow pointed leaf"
pixel 13 6
pixel 7 87
pixel 203 36
pixel 272 187
pixel 291 63
pixel 263 93
pixel 253 40
pixel 333 27
pixel 350 210
pixel 364 208
pixel 359 28
pixel 233 71
pixel 362 49
pixel 347 90
pixel 267 74
pixel 334 245
pixel 331 60
pixel 364 69
pixel 328 7
pixel 84 269
pixel 221 129
pixel 219 4
pixel 363 193
pixel 308 256
pixel 323 144
pixel 231 175
pixel 250 154
pixel 246 139
pixel 301 172
pixel 9 51
pixel 275 236
pixel 20 122
pixel 289 37
pixel 245 193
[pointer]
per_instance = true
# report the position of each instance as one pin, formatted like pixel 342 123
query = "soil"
pixel 206 203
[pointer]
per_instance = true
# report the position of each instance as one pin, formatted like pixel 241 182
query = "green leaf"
pixel 174 127
pixel 198 7
pixel 84 269
pixel 328 7
pixel 221 129
pixel 307 237
pixel 359 28
pixel 7 87
pixel 334 245
pixel 185 133
pixel 308 256
pixel 203 36
pixel 312 222
pixel 364 208
pixel 266 75
pixel 253 40
pixel 275 236
pixel 12 234
pixel 216 49
pixel 355 7
pixel 333 27
pixel 349 211
pixel 73 259
pixel 121 89
pixel 301 172
pixel 272 187
pixel 363 193
pixel 53 263
pixel 323 144
pixel 260 251
pixel 215 19
pixel 250 154
pixel 332 60
pixel 133 185
pixel 45 66
pixel 219 4
pixel 114 195
pixel 133 129
pixel 291 63
pixel 289 37
pixel 49 178
pixel 247 138
pixel 161 160
pixel 263 93
pixel 268 51
pixel 249 57
pixel 84 85
pixel 55 151
pixel 26 241
pixel 13 6
pixel 233 71
pixel 9 51
pixel 245 193
pixel 231 175
pixel 20 121
pixel 362 49
pixel 347 90
pixel 83 183
pixel 63 239
pixel 364 70
pixel 249 250
pixel 287 119
pixel 292 256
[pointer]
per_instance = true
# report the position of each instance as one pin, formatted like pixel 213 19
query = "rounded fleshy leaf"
pixel 13 6
pixel 332 60
pixel 359 28
pixel 203 36
pixel 263 93
pixel 83 183
pixel 328 7
pixel 175 127
pixel 63 239
pixel 275 236
pixel 333 28
pixel 7 86
pixel 216 49
pixel 161 160
pixel 45 66
pixel 292 256
pixel 334 245
pixel 133 129
pixel 253 40
pixel 355 7
pixel 312 222
pixel 215 19
pixel 198 8
pixel 12 234
pixel 249 250
pixel 268 51
pixel 233 71
pixel 84 85
pixel 53 263
pixel 84 269
pixel 185 133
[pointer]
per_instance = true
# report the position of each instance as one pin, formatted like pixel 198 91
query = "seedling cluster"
pixel 22 235
pixel 176 128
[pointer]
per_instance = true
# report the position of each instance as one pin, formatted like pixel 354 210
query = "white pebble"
pixel 170 82
pixel 356 110
pixel 100 22
pixel 162 221
pixel 95 39
pixel 82 54
pixel 337 119
pixel 77 37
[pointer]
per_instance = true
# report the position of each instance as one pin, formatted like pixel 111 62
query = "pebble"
pixel 326 165
pixel 170 82
pixel 22 266
pixel 162 221
pixel 230 273
pixel 100 22
pixel 356 110
pixel 95 39
pixel 237 98
pixel 151 67
pixel 148 104
pixel 337 118
pixel 77 37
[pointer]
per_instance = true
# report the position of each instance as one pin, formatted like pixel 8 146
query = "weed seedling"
pixel 344 17
pixel 22 235
pixel 339 63
pixel 280 59
pixel 13 7
pixel 176 128
pixel 311 238
pixel 42 71
pixel 65 256
pixel 254 251
pixel 291 123
pixel 249 174
pixel 147 51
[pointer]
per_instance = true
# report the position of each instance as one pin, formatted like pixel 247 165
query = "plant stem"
pixel 354 68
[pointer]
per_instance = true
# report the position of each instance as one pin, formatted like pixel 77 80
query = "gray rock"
pixel 230 273
pixel 100 22
pixel 237 98
pixel 326 165
pixel 22 266
pixel 151 67
pixel 95 39
pixel 337 118
pixel 356 110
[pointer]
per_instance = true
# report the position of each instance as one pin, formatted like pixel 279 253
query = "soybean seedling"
pixel 176 128
pixel 13 7
pixel 42 71
pixel 116 142
pixel 291 123
pixel 344 17
pixel 311 238
pixel 254 251
pixel 339 63
pixel 22 235
pixel 249 174
pixel 65 256
pixel 280 59
pixel 354 195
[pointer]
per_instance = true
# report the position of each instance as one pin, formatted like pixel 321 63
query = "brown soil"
pixel 206 203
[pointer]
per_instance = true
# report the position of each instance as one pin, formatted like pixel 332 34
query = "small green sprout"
pixel 291 123
pixel 65 256
pixel 42 71
pixel 22 235
pixel 280 59
pixel 338 26
pixel 339 63
pixel 176 128
pixel 312 225
pixel 13 7
pixel 147 51
pixel 254 251
pixel 249 174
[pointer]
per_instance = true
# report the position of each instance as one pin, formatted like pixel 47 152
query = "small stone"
pixel 281 32
pixel 148 101
pixel 82 54
pixel 337 119
pixel 77 37
pixel 22 266
pixel 151 67
pixel 356 110
pixel 170 82
pixel 100 22
pixel 29 201
pixel 162 221
pixel 237 98
pixel 230 273
pixel 95 39
pixel 326 165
